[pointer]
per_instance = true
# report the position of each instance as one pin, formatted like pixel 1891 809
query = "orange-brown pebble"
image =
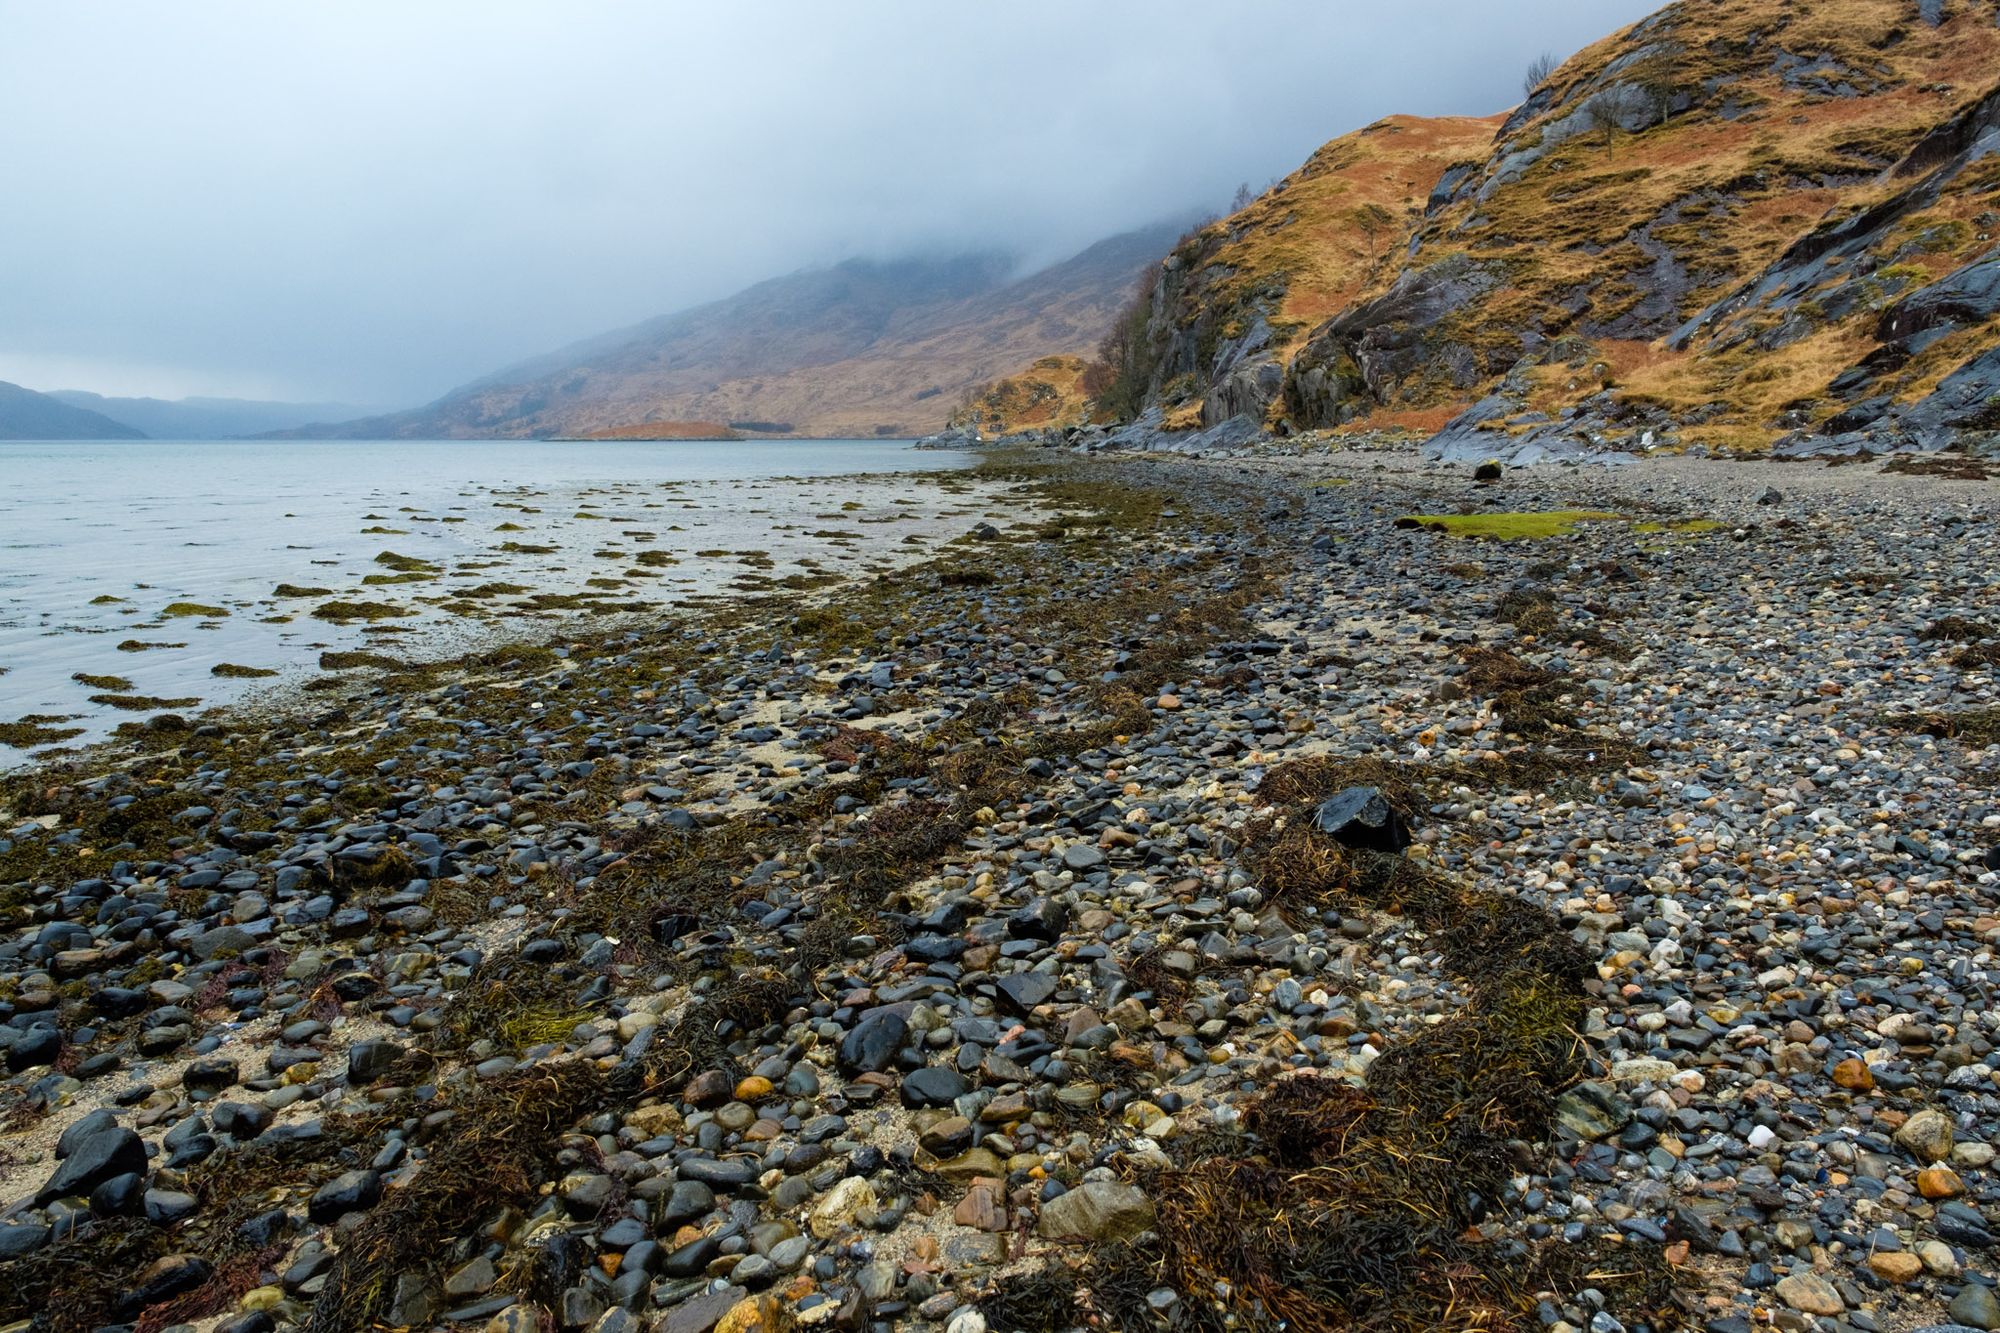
pixel 1898 1266
pixel 1939 1182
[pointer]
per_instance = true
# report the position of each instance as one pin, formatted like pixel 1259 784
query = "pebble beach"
pixel 990 942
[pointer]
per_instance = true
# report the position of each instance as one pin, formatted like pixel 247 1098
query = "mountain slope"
pixel 1690 232
pixel 1211 334
pixel 27 415
pixel 1736 224
pixel 1235 302
pixel 862 348
pixel 204 418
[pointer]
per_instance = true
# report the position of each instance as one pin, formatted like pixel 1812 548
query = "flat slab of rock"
pixel 1101 1210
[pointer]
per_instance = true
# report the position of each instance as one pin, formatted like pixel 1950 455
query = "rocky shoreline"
pixel 989 946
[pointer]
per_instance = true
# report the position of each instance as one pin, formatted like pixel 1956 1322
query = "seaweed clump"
pixel 1957 629
pixel 1528 697
pixel 1362 1207
pixel 1973 726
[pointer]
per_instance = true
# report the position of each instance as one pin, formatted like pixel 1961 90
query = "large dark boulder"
pixel 114 1151
pixel 346 1192
pixel 36 1046
pixel 164 1279
pixel 871 1045
pixel 1968 399
pixel 934 1085
pixel 1362 818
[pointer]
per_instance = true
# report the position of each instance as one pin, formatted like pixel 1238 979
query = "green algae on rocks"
pixel 140 703
pixel 343 611
pixel 30 732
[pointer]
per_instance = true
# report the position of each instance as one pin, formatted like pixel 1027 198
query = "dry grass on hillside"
pixel 1332 231
pixel 663 430
pixel 1048 393
pixel 1721 190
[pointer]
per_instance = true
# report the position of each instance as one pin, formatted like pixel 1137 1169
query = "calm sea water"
pixel 99 542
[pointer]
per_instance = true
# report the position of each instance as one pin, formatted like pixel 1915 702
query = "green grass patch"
pixel 194 609
pixel 1509 527
pixel 1683 526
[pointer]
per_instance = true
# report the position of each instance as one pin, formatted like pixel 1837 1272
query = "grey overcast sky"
pixel 374 200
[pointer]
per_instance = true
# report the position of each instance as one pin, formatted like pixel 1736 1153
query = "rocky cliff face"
pixel 1236 299
pixel 1738 224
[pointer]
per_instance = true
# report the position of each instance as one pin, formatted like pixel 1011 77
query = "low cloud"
pixel 374 201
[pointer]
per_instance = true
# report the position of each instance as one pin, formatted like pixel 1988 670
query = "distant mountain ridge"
pixel 205 418
pixel 864 348
pixel 27 415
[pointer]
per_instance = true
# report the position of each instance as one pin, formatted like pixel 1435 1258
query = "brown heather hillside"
pixel 859 349
pixel 1053 392
pixel 664 430
pixel 1694 228
pixel 1236 300
pixel 1737 223
pixel 1237 297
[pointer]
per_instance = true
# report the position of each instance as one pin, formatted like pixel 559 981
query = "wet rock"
pixel 242 1121
pixel 836 1211
pixel 371 1060
pixel 1097 1211
pixel 21 1239
pixel 1362 818
pixel 1976 1306
pixel 1927 1135
pixel 871 1045
pixel 1021 992
pixel 1810 1293
pixel 687 1200
pixel 165 1207
pixel 345 1193
pixel 209 1076
pixel 36 1046
pixel 110 1151
pixel 166 1278
pixel 933 1085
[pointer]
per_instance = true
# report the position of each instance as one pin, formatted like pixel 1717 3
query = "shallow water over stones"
pixel 146 577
